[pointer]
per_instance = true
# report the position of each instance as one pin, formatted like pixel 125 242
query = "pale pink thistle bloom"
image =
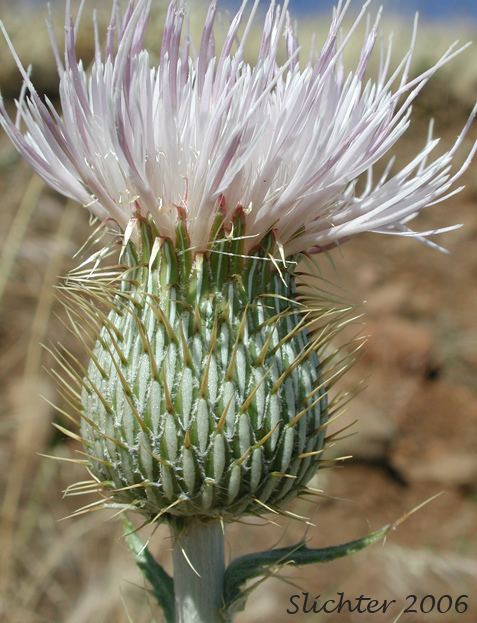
pixel 204 133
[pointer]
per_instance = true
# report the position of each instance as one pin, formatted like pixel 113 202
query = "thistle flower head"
pixel 207 388
pixel 206 133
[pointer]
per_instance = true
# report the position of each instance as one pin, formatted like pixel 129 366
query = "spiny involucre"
pixel 206 391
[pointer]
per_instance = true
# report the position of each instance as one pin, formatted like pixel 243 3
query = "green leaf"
pixel 265 563
pixel 161 582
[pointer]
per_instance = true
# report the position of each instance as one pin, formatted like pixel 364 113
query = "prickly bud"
pixel 204 394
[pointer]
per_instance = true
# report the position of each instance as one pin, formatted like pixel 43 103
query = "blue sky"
pixel 431 9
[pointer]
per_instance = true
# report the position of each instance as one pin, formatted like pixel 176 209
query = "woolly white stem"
pixel 198 571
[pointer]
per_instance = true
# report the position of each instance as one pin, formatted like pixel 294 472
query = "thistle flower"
pixel 206 395
pixel 202 135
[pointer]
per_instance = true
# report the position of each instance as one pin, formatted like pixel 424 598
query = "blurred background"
pixel 433 9
pixel 416 434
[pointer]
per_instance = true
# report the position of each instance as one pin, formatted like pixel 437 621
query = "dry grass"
pixel 78 571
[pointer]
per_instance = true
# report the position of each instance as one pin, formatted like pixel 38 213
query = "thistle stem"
pixel 199 569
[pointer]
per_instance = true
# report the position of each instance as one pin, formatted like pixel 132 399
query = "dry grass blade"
pixel 32 434
pixel 18 230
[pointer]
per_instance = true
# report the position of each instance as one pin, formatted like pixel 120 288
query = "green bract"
pixel 204 394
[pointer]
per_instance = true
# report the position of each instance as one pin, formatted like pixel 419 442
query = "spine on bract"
pixel 204 395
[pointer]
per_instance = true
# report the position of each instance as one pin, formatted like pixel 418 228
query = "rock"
pixel 399 344
pixel 392 368
pixel 437 440
pixel 387 299
pixel 369 421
